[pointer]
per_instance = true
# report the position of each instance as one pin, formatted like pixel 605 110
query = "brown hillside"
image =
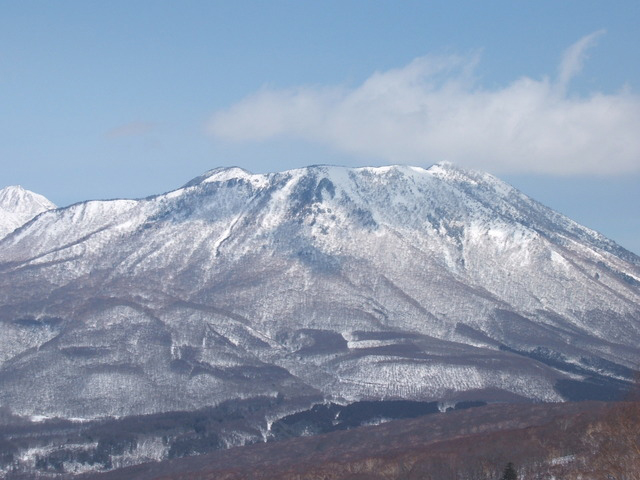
pixel 471 444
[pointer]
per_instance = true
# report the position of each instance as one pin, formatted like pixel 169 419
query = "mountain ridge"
pixel 237 251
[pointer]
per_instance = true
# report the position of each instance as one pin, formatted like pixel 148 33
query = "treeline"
pixel 96 444
pixel 495 442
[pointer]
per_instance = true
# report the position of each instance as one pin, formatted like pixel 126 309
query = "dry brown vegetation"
pixel 544 441
pixel 614 441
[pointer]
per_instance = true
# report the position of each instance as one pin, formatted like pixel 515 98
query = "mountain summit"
pixel 323 283
pixel 18 206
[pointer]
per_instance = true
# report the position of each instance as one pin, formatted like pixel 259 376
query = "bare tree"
pixel 615 442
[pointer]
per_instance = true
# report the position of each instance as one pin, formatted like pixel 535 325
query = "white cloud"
pixel 433 110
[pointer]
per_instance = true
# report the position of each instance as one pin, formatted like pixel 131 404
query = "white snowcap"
pixel 18 206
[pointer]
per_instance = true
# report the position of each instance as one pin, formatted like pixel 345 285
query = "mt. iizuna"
pixel 308 286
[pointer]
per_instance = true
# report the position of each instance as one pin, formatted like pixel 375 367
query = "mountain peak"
pixel 323 283
pixel 453 171
pixel 15 197
pixel 18 206
pixel 11 192
pixel 219 174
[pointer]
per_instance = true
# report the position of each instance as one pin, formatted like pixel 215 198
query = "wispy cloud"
pixel 433 109
pixel 574 58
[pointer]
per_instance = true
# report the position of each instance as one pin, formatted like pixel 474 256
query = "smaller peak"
pixel 377 170
pixel 313 169
pixel 16 198
pixel 444 167
pixel 19 205
pixel 232 170
pixel 385 169
pixel 13 188
pixel 451 170
pixel 446 164
pixel 219 174
pixel 455 173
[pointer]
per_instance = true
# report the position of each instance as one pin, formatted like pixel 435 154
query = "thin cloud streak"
pixel 433 110
pixel 574 57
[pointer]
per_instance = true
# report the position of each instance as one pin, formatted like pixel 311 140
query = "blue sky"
pixel 129 98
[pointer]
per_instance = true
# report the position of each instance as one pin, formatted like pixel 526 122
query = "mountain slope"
pixel 18 206
pixel 317 283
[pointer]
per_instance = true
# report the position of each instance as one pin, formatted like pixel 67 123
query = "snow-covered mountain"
pixel 18 206
pixel 322 282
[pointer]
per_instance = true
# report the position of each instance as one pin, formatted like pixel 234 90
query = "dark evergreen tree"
pixel 509 472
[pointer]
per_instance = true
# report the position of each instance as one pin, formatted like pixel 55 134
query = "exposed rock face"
pixel 317 283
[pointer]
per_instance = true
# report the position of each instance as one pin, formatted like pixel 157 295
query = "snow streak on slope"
pixel 323 282
pixel 18 206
